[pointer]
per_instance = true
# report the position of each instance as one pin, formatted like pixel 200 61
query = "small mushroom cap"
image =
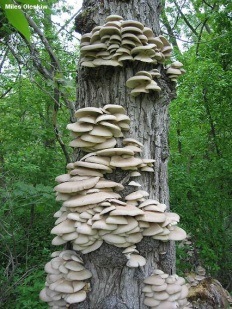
pixel 126 211
pixel 132 224
pixel 62 178
pixel 91 165
pixel 114 152
pixel 177 234
pixel 64 227
pixel 90 199
pixel 70 187
pixel 92 138
pixel 114 109
pixel 76 297
pixel 136 260
pixel 132 23
pixel 151 217
pixel 79 127
pixel 154 280
pixel 114 18
pixel 97 244
pixel 151 302
pixel 138 90
pixel 93 111
pixel 152 230
pixel 135 81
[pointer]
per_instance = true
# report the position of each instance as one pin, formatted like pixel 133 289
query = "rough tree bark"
pixel 114 285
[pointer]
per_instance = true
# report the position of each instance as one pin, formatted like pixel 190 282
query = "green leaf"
pixel 17 19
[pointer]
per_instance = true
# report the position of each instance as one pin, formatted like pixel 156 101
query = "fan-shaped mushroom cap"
pixel 90 199
pixel 136 81
pixel 102 225
pixel 177 234
pixel 80 143
pixel 91 165
pixel 90 111
pixel 151 217
pixel 153 86
pixel 79 127
pixel 152 230
pixel 82 171
pixel 126 211
pixel 114 18
pixel 114 152
pixel 70 187
pixel 136 260
pixel 114 109
pixel 151 302
pixel 62 178
pixel 173 71
pixel 64 227
pixel 132 224
pixel 92 138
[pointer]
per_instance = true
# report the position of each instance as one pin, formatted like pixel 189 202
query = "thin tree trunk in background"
pixel 113 284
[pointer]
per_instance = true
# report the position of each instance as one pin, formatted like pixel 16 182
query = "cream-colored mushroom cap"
pixel 137 90
pixel 151 217
pixel 137 80
pixel 152 230
pixel 76 297
pixel 114 128
pixel 90 199
pixel 173 71
pixel 64 227
pixel 62 178
pixel 114 109
pixel 177 234
pixel 114 18
pixel 151 302
pixel 132 224
pixel 118 161
pixel 153 86
pixel 70 187
pixel 126 211
pixel 92 138
pixel 154 280
pixel 132 23
pixel 114 152
pixel 80 143
pixel 79 127
pixel 131 29
pixel 109 143
pixel 93 111
pixel 136 260
pixel 91 165
pixel 128 140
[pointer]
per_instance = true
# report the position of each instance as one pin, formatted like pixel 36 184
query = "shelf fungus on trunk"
pixel 66 280
pixel 143 82
pixel 163 291
pixel 94 210
pixel 120 40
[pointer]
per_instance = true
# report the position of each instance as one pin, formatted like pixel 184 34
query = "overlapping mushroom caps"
pixel 119 40
pixel 97 128
pixel 175 70
pixel 143 82
pixel 93 210
pixel 163 291
pixel 66 280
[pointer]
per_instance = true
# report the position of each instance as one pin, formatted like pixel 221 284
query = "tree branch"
pixel 184 18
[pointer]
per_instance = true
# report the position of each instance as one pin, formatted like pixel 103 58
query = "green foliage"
pixel 200 173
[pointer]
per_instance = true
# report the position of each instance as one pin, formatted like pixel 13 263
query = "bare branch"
pixel 184 18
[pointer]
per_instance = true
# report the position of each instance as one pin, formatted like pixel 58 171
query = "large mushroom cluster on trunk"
pixel 119 40
pixel 97 128
pixel 66 280
pixel 95 208
pixel 163 291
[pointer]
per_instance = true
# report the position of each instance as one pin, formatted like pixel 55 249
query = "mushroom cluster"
pixel 96 128
pixel 143 82
pixel 163 291
pixel 194 278
pixel 66 280
pixel 175 70
pixel 93 210
pixel 119 40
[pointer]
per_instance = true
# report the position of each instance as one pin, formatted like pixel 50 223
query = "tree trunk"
pixel 114 285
